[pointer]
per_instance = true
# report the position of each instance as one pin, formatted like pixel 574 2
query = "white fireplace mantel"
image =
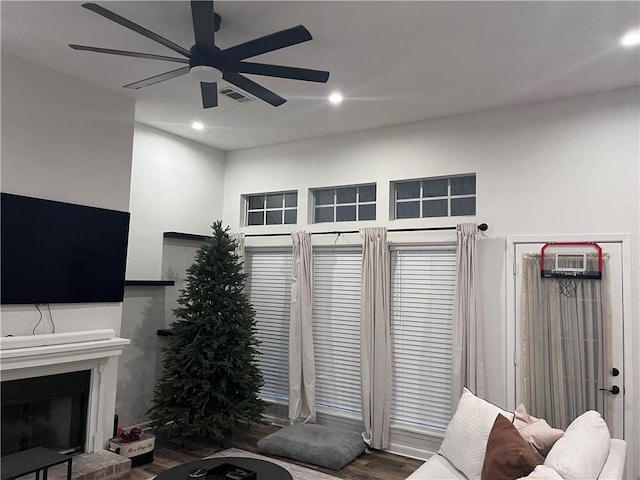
pixel 51 354
pixel 17 353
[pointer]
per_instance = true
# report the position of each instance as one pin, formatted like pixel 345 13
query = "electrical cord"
pixel 39 320
pixel 53 324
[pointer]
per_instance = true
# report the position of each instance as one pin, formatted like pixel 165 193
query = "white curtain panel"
pixel 468 330
pixel 566 344
pixel 302 375
pixel 376 337
pixel 239 250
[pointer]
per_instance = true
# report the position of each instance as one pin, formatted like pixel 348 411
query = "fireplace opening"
pixel 49 412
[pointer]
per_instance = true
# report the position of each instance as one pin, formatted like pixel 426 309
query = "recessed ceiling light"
pixel 197 126
pixel 335 98
pixel 631 39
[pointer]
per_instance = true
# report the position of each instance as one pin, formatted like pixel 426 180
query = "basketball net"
pixel 568 286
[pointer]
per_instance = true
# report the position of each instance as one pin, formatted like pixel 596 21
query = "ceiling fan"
pixel 209 64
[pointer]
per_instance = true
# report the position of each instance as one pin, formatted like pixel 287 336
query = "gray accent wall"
pixel 146 310
pixel 140 364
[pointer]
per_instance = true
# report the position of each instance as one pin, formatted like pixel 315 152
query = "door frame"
pixel 511 311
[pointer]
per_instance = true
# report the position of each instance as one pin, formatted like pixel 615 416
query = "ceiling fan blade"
pixel 209 94
pixel 253 88
pixel 136 28
pixel 125 53
pixel 268 43
pixel 294 73
pixel 203 26
pixel 159 78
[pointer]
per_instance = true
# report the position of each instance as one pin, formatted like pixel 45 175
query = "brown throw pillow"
pixel 536 432
pixel 508 455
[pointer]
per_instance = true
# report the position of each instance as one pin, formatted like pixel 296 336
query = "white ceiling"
pixel 395 62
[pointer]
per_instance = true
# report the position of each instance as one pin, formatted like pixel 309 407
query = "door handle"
pixel 615 390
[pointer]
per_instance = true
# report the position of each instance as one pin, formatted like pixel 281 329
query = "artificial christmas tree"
pixel 210 381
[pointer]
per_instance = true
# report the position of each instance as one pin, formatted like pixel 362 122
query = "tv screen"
pixel 55 252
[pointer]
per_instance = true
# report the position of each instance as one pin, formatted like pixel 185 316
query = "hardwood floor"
pixel 372 466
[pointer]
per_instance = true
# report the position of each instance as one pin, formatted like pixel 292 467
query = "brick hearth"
pixel 100 465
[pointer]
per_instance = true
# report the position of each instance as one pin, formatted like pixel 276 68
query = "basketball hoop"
pixel 570 263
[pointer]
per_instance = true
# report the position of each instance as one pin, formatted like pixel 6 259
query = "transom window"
pixel 345 204
pixel 435 197
pixel 272 208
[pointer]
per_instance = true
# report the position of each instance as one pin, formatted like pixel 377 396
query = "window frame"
pixel 265 209
pixel 357 203
pixel 422 198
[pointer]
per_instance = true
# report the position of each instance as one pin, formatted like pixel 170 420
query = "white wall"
pixel 577 153
pixel 176 185
pixel 63 139
pixel 563 167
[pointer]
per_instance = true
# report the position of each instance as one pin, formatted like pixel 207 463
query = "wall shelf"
pixel 149 283
pixel 185 236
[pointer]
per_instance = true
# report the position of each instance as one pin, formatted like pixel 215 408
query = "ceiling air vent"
pixel 235 95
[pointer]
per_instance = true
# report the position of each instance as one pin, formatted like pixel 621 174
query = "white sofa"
pixel 439 468
pixel 585 451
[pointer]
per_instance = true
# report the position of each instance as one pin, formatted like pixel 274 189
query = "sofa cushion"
pixel 508 455
pixel 542 473
pixel 437 467
pixel 583 449
pixel 536 431
pixel 465 440
pixel 317 444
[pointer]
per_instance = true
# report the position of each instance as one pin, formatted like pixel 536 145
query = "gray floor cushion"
pixel 316 444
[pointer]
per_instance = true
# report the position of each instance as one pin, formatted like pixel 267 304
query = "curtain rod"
pixel 483 227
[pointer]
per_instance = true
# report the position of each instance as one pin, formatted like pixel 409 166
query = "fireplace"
pixel 49 411
pixel 53 377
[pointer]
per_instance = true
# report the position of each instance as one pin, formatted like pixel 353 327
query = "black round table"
pixel 264 470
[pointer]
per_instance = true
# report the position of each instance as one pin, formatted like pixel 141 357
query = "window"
pixel 422 291
pixel 272 209
pixel 435 197
pixel 336 329
pixel 269 285
pixel 345 204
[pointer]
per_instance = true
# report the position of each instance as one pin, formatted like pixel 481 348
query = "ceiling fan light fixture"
pixel 205 73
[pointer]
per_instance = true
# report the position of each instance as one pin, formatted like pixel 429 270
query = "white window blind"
pixel 336 329
pixel 269 285
pixel 422 296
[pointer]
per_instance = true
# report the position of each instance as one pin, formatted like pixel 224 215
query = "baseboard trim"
pixel 411 452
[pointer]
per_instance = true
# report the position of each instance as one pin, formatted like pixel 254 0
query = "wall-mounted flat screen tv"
pixel 55 252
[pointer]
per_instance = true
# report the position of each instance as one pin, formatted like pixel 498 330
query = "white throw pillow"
pixel 465 440
pixel 542 473
pixel 583 449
